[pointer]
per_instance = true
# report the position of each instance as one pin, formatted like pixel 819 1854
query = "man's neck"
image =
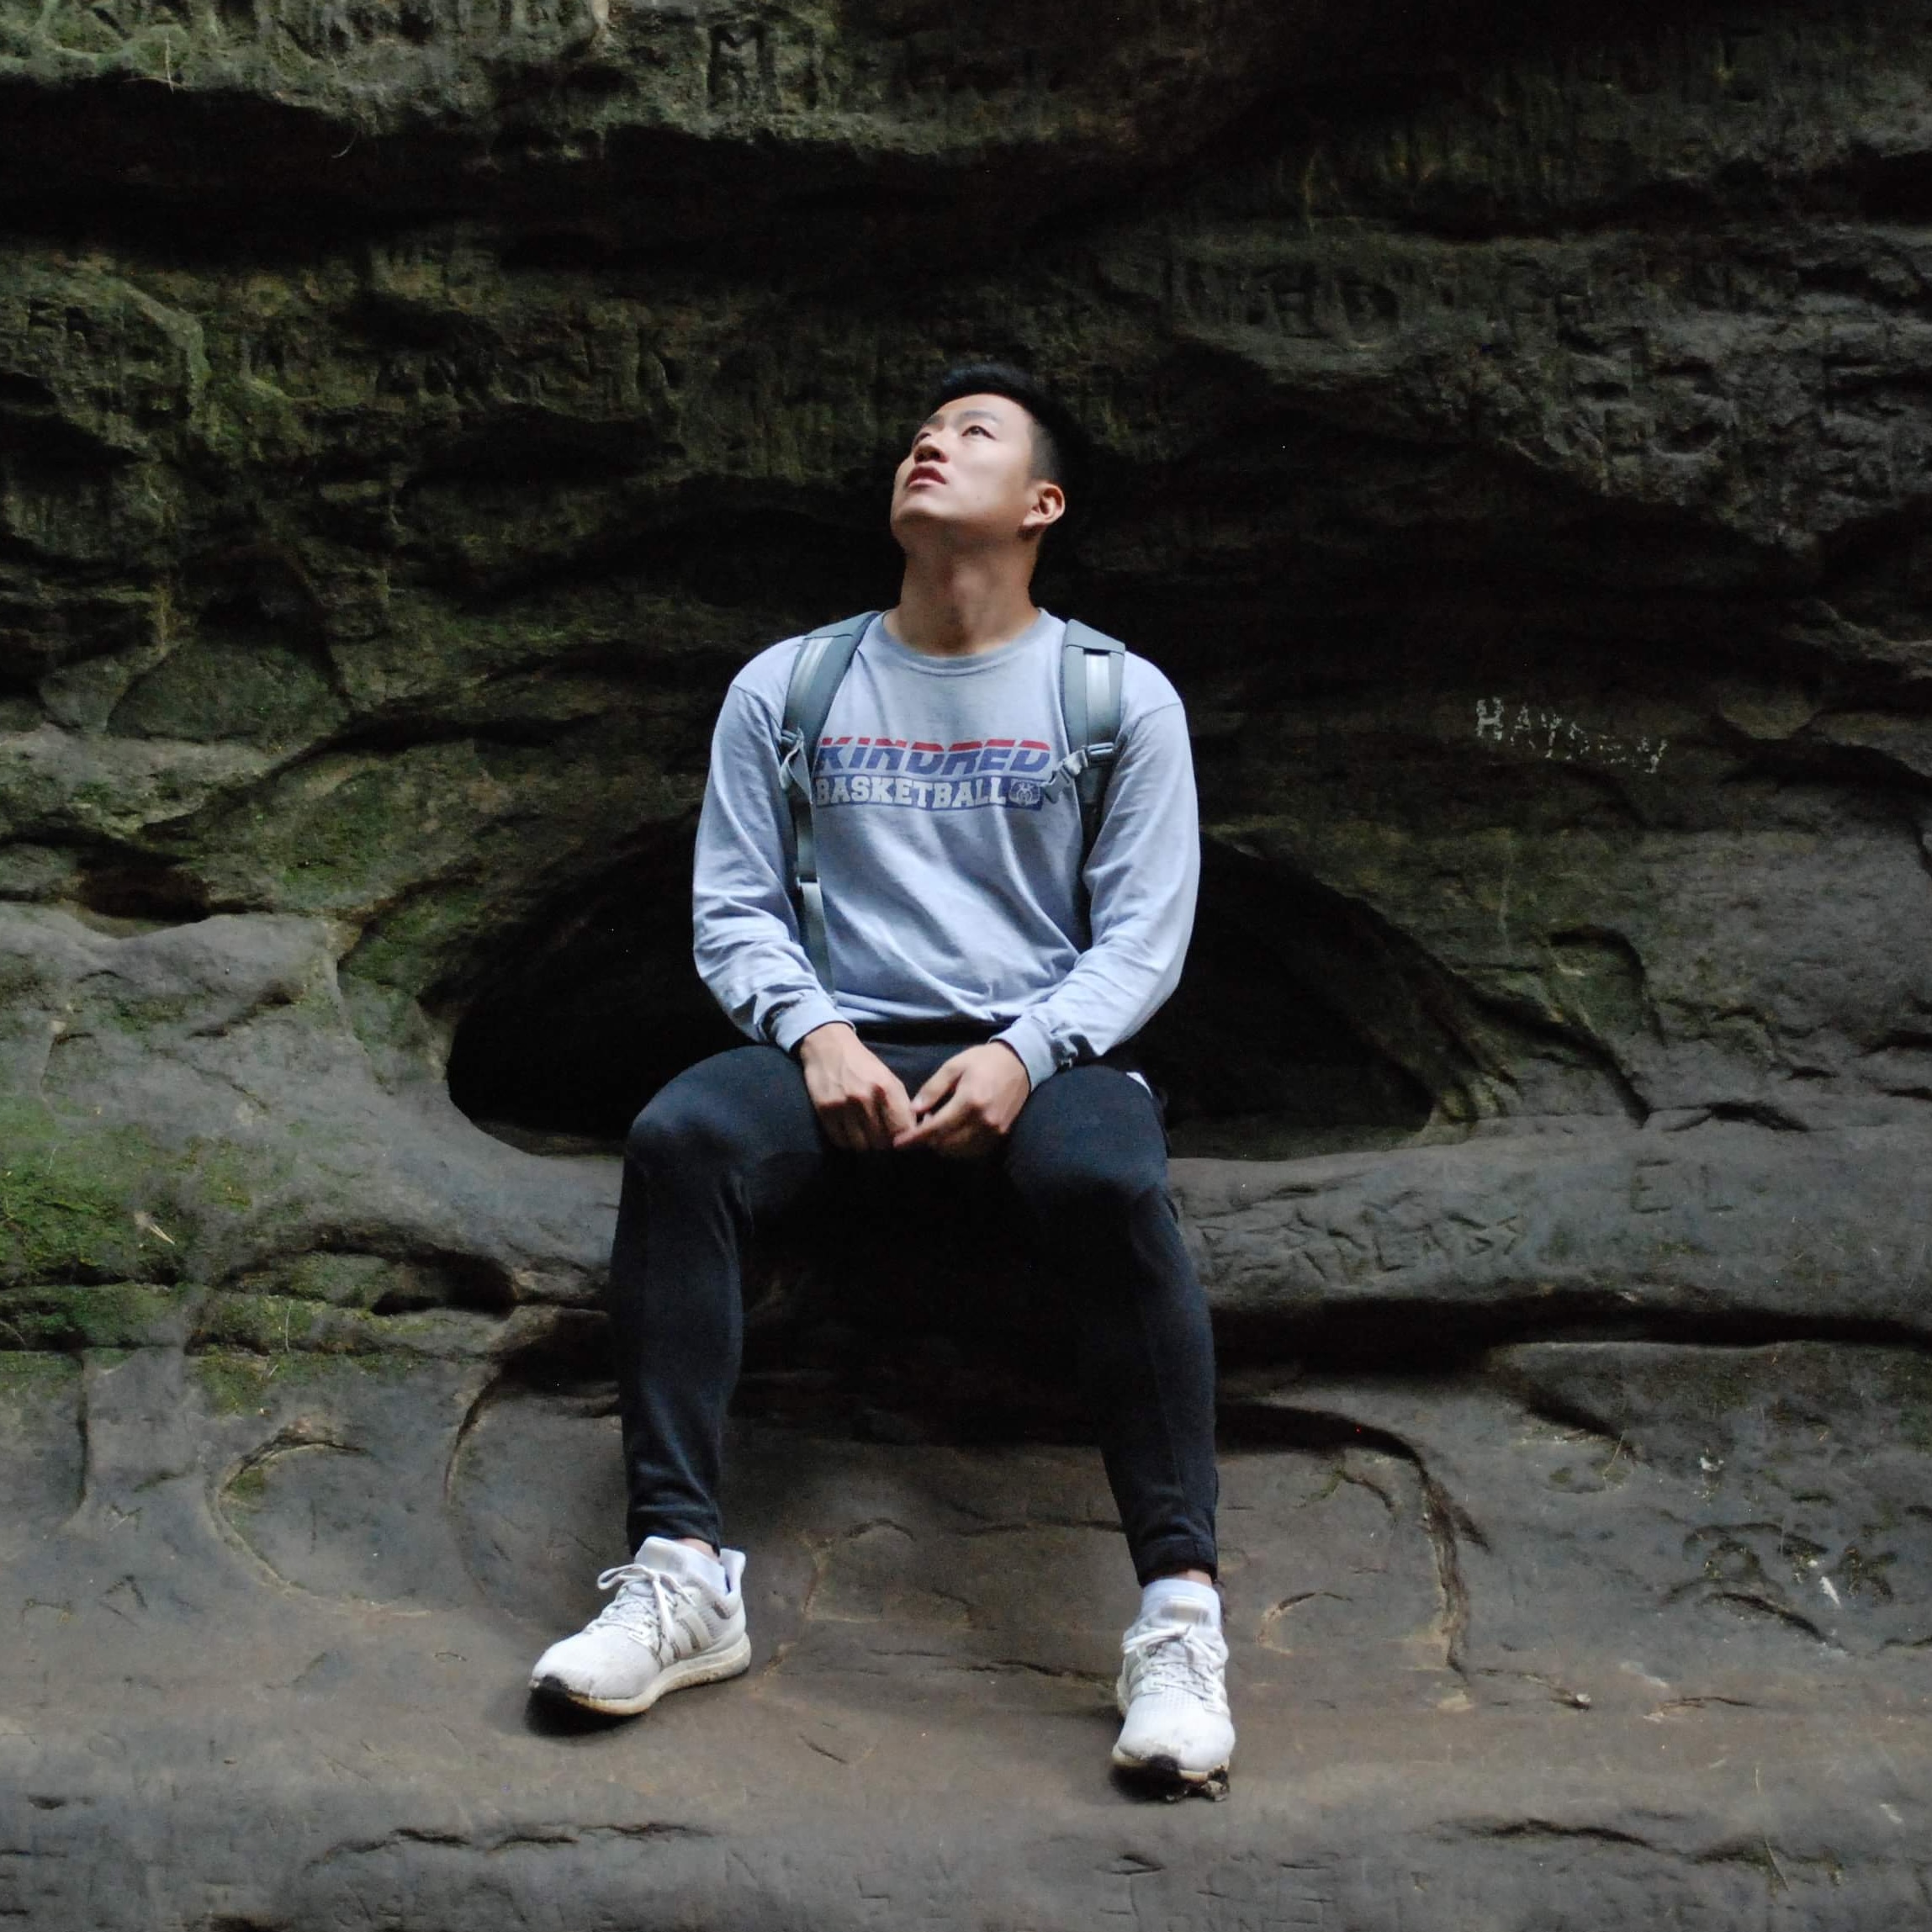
pixel 958 606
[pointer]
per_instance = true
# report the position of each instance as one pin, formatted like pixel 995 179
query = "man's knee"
pixel 1081 1180
pixel 667 1128
pixel 1085 1196
pixel 1094 1147
pixel 709 1116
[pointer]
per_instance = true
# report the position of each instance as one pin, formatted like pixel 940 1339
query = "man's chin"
pixel 920 521
pixel 916 518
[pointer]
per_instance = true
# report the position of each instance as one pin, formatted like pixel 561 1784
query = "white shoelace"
pixel 645 1606
pixel 1185 1657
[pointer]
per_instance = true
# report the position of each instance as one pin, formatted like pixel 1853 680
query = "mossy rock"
pixel 64 1214
pixel 98 1315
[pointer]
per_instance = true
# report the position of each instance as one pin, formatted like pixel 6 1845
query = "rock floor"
pixel 238 1709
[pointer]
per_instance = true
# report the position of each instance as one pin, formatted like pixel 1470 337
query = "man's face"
pixel 969 477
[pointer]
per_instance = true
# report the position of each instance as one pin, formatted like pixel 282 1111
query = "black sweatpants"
pixel 734 1141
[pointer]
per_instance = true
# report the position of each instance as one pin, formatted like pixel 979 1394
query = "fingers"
pixel 899 1114
pixel 855 1121
pixel 869 1116
pixel 944 1080
pixel 838 1129
pixel 968 1104
pixel 922 1135
pixel 958 1129
pixel 882 1111
pixel 862 1104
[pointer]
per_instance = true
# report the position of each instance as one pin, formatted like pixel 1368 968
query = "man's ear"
pixel 1047 506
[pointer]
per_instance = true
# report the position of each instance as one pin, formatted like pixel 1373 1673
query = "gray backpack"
pixel 1091 664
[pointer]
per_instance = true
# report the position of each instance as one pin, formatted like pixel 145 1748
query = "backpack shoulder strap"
pixel 1091 668
pixel 819 668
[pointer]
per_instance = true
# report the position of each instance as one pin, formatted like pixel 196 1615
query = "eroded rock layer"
pixel 1512 438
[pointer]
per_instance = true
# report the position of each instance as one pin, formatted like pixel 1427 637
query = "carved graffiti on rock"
pixel 1663 1187
pixel 1545 733
pixel 1317 1248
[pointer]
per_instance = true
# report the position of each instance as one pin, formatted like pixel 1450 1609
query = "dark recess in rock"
pixel 595 1008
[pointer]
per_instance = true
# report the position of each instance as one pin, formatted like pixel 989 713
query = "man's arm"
pixel 744 930
pixel 745 939
pixel 1141 878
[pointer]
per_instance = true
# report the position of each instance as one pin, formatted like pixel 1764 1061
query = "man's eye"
pixel 977 429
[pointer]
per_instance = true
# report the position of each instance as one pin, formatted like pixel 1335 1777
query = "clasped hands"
pixel 962 1112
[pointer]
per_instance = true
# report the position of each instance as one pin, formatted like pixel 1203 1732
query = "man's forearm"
pixel 1142 876
pixel 744 933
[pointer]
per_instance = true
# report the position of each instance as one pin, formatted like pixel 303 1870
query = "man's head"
pixel 987 464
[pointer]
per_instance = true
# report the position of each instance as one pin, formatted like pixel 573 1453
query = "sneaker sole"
pixel 1163 1766
pixel 1164 1771
pixel 1164 1776
pixel 710 1667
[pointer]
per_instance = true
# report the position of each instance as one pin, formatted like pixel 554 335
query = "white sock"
pixel 701 1565
pixel 1165 1590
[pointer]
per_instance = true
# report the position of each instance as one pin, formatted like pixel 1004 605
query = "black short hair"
pixel 1057 441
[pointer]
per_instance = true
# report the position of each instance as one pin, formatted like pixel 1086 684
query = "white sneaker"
pixel 666 1629
pixel 1173 1694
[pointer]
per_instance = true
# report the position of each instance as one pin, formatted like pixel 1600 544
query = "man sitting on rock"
pixel 940 955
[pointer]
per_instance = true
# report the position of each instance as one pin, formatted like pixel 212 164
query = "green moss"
pixel 343 1280
pixel 248 1487
pixel 242 1382
pixel 64 1208
pixel 26 1374
pixel 142 1014
pixel 229 1177
pixel 430 925
pixel 399 1037
pixel 230 1383
pixel 82 1203
pixel 352 830
pixel 254 689
pixel 241 420
pixel 105 1315
pixel 292 1332
pixel 266 1324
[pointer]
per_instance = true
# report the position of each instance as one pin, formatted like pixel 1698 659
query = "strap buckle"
pixel 794 766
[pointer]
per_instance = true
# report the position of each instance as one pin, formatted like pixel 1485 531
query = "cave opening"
pixel 1262 1052
pixel 911 1310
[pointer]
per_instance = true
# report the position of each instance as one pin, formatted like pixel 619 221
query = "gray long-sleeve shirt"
pixel 951 868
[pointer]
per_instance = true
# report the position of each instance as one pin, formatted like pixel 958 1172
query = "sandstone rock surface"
pixel 1511 434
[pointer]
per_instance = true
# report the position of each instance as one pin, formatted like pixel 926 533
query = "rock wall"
pixel 1511 436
